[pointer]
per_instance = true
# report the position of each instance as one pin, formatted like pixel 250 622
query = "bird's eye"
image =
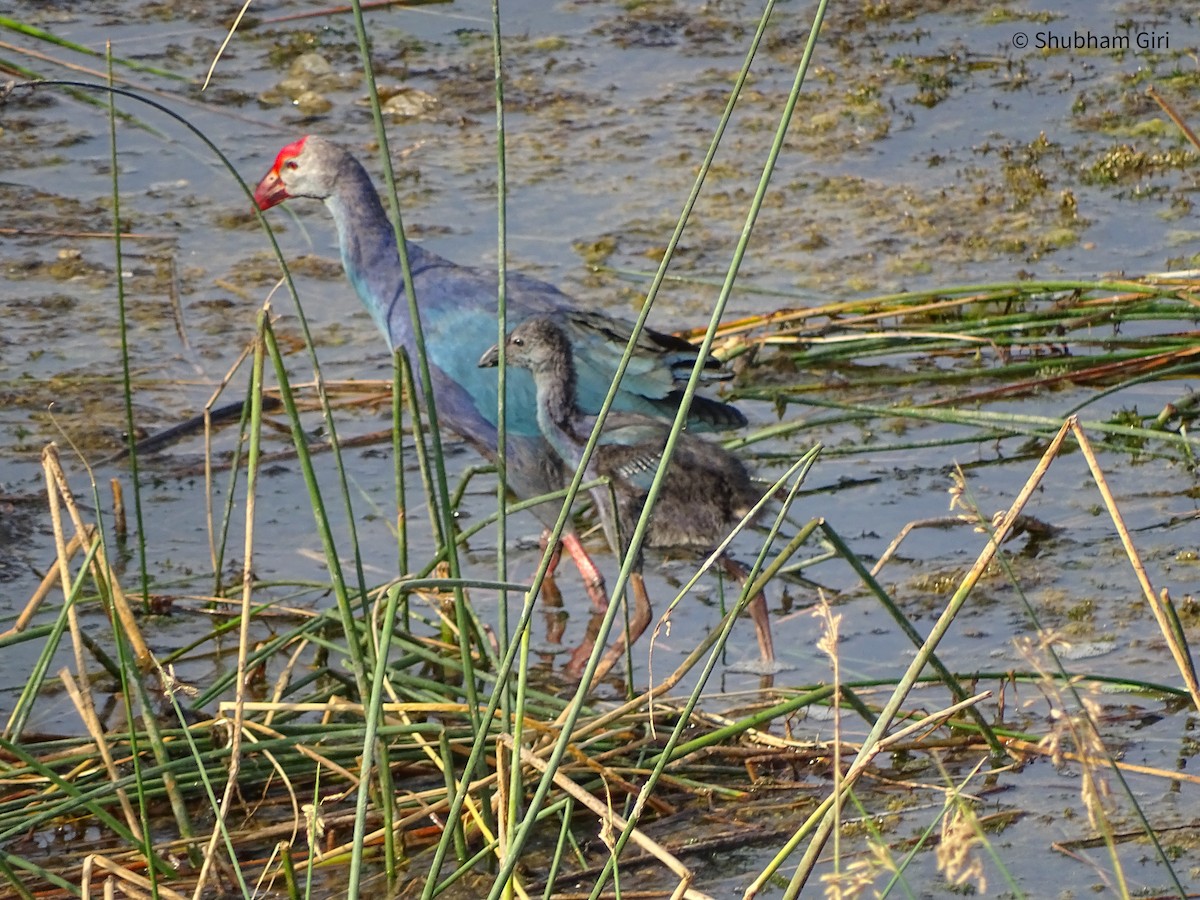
pixel 518 342
pixel 291 164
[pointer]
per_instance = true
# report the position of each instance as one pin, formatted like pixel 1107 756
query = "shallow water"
pixel 915 160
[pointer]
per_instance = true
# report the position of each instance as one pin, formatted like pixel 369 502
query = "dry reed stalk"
pixel 433 801
pixel 120 524
pixel 87 712
pixel 236 729
pixel 59 491
pixel 208 456
pixel 871 746
pixel 610 821
pixel 1157 604
pixel 1173 116
pixel 53 575
pixel 132 884
pixel 1032 748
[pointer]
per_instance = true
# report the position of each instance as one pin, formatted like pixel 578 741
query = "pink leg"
pixel 638 622
pixel 762 626
pixel 551 595
pixel 580 655
pixel 757 608
pixel 592 579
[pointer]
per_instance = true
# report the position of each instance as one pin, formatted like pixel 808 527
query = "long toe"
pixel 580 655
pixel 638 622
pixel 762 627
pixel 757 607
pixel 642 611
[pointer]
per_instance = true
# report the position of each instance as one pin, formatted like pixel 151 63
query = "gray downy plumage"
pixel 706 490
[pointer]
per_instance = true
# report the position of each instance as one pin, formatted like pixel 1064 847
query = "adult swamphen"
pixel 458 318
pixel 705 493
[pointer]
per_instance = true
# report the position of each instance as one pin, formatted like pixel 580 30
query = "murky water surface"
pixel 927 150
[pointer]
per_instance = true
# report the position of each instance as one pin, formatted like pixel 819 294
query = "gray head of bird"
pixel 304 168
pixel 538 345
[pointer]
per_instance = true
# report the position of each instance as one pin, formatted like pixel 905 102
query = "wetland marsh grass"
pixel 390 743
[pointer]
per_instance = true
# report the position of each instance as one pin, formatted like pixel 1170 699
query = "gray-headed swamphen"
pixel 705 493
pixel 458 317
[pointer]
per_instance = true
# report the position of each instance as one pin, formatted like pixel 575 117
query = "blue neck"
pixel 369 253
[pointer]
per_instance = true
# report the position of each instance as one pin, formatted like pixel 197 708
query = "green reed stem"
pixel 300 441
pixel 231 496
pixel 440 500
pixel 399 369
pixel 948 678
pixel 123 328
pixel 705 348
pixel 513 713
pixel 369 748
pixel 755 583
pixel 820 824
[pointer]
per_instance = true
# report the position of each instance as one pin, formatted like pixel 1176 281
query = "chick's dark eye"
pixel 518 342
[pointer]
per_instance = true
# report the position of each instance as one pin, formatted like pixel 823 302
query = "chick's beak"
pixel 490 358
